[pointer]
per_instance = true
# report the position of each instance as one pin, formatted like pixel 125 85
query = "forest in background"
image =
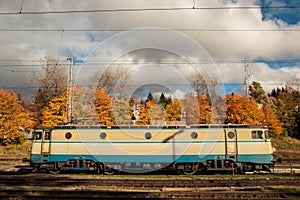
pixel 279 110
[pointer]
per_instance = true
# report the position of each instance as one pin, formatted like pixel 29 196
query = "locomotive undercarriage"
pixel 185 168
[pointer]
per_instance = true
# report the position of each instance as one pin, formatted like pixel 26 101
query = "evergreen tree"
pixel 150 97
pixel 162 100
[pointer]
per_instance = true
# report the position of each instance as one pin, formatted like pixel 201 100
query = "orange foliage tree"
pixel 121 112
pixel 144 117
pixel 191 108
pixel 157 114
pixel 103 107
pixel 55 112
pixel 12 117
pixel 173 111
pixel 242 110
pixel 197 108
pixel 271 120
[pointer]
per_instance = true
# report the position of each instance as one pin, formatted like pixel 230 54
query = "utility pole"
pixel 247 76
pixel 70 92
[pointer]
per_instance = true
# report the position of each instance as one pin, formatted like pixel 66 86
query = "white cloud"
pixel 220 45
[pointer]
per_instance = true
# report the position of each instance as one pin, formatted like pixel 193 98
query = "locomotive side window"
pixel 47 135
pixel 148 135
pixel 37 135
pixel 267 135
pixel 194 135
pixel 68 135
pixel 257 134
pixel 231 135
pixel 103 135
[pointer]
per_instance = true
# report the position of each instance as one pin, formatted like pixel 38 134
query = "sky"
pixel 160 47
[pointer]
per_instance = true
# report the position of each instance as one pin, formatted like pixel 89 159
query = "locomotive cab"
pixel 40 149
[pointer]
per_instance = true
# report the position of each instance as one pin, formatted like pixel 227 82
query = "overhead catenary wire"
pixel 149 9
pixel 147 61
pixel 139 29
pixel 170 84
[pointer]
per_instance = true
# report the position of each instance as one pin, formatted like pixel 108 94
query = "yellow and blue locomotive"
pixel 188 149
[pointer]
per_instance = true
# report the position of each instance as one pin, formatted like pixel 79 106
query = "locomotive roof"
pixel 152 126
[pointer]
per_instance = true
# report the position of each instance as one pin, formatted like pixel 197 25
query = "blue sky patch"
pixel 288 15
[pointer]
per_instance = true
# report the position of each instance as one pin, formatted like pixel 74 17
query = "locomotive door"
pixel 45 148
pixel 231 149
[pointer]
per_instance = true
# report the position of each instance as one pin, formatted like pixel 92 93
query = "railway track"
pixel 44 180
pixel 92 194
pixel 43 186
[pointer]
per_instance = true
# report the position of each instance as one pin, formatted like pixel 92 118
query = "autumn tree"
pixel 205 84
pixel 103 106
pixel 256 91
pixel 83 106
pixel 173 111
pixel 285 110
pixel 242 110
pixel 191 108
pixel 271 120
pixel 144 117
pixel 55 112
pixel 157 114
pixel 12 117
pixel 121 111
pixel 197 109
pixel 112 80
pixel 51 81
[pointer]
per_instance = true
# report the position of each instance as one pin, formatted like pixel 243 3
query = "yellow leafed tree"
pixel 242 110
pixel 55 112
pixel 12 117
pixel 173 111
pixel 103 106
pixel 144 117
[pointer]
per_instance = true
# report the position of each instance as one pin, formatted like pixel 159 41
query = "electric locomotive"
pixel 187 149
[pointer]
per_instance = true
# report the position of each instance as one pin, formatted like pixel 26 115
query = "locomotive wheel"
pixel 55 169
pixel 109 173
pixel 190 169
pixel 108 170
pixel 190 172
pixel 36 168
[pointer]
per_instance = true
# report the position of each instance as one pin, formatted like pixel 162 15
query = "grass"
pixel 286 147
pixel 15 151
pixel 290 192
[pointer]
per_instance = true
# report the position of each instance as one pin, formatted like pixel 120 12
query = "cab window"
pixel 37 135
pixel 267 134
pixel 47 135
pixel 257 134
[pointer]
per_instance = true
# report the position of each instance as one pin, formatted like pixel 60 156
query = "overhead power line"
pixel 170 84
pixel 174 29
pixel 20 12
pixel 22 63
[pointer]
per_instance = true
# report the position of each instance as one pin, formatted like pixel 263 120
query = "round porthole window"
pixel 194 135
pixel 103 135
pixel 68 135
pixel 148 135
pixel 231 135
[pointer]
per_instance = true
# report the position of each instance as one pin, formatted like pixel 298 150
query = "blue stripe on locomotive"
pixel 255 158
